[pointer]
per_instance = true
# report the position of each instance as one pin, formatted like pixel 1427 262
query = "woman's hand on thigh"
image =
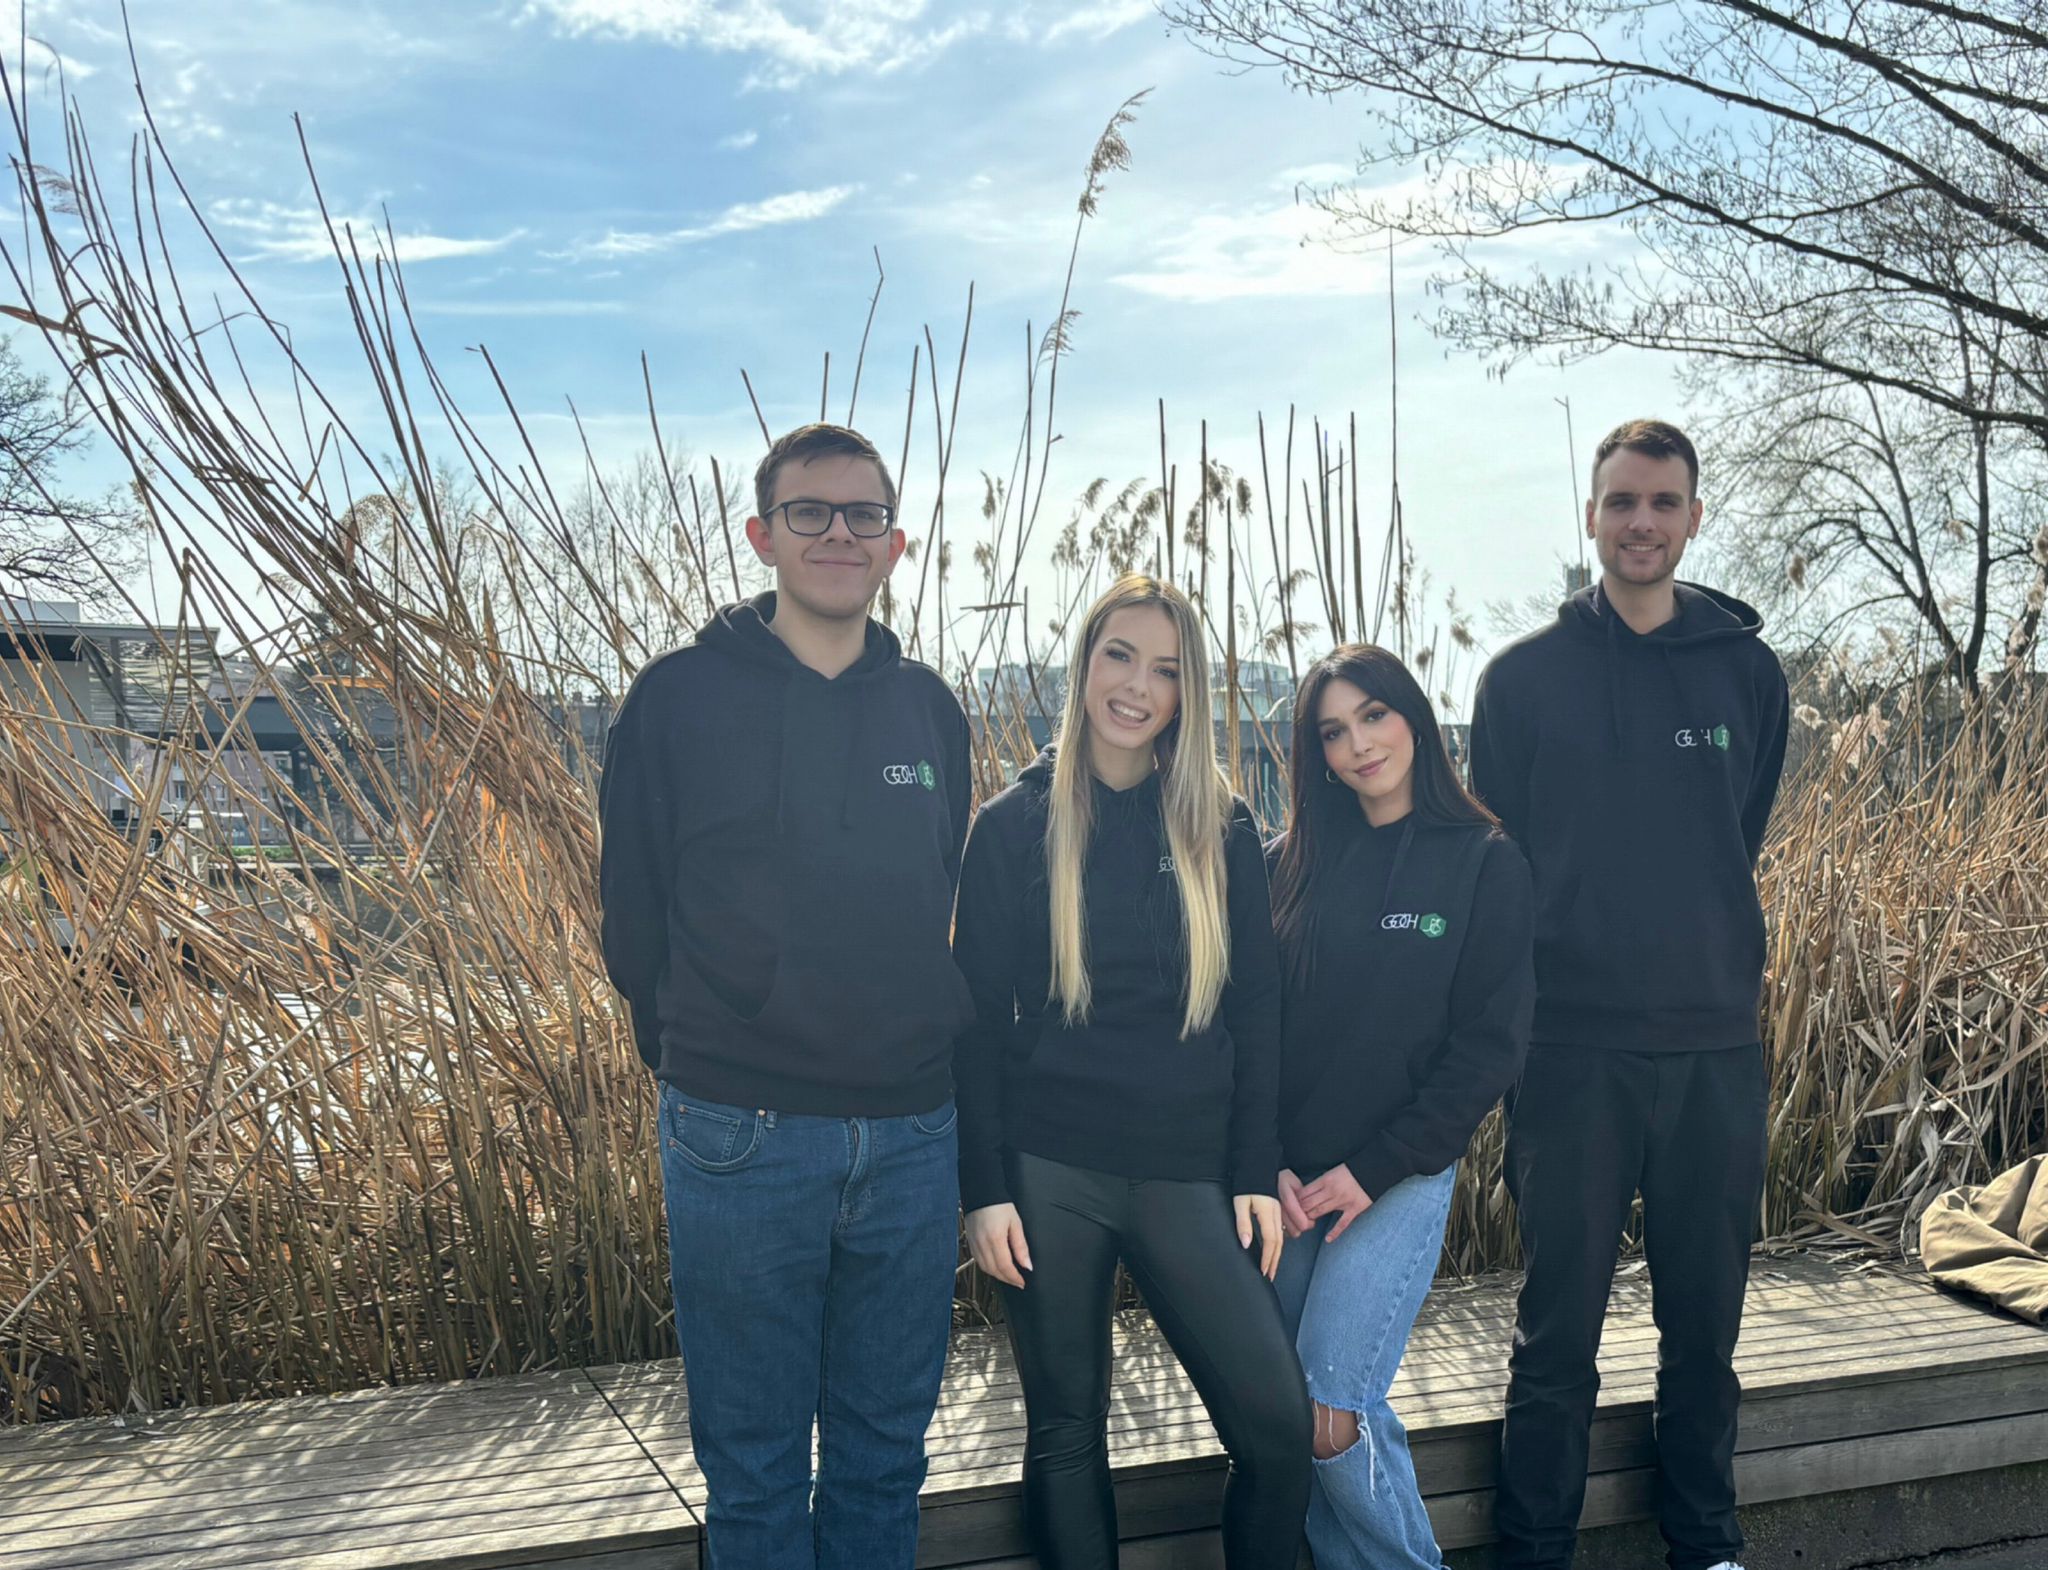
pixel 995 1236
pixel 1262 1210
pixel 1335 1192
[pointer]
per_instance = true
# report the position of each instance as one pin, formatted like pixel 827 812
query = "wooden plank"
pixel 115 1450
pixel 1182 1429
pixel 1794 1472
pixel 378 1406
pixel 339 1428
pixel 1180 1551
pixel 1826 1364
pixel 666 1556
pixel 253 1512
pixel 1781 1355
pixel 1455 1461
pixel 284 1477
pixel 1636 1332
pixel 1159 1399
pixel 1154 1388
pixel 1159 1389
pixel 1767 1348
pixel 639 1518
pixel 1147 1504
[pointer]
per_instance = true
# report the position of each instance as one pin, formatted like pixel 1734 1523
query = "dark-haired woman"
pixel 1404 925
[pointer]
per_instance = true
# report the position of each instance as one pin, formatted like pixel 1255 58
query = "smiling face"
pixel 1133 689
pixel 832 576
pixel 1370 749
pixel 1642 513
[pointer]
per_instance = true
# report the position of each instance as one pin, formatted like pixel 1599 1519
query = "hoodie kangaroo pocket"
pixel 692 996
pixel 1690 939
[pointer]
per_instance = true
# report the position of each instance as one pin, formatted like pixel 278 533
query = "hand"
pixel 1337 1193
pixel 995 1236
pixel 1265 1211
pixel 1291 1213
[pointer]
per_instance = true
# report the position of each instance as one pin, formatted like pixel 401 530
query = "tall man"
pixel 1633 749
pixel 784 802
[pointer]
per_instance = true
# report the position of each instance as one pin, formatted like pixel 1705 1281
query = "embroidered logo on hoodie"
pixel 1703 736
pixel 1430 926
pixel 919 773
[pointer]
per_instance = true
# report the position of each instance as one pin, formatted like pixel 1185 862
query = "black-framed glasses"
pixel 807 515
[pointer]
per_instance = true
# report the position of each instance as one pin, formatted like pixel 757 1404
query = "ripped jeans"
pixel 1350 1306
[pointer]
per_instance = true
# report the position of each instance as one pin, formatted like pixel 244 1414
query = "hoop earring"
pixel 1331 777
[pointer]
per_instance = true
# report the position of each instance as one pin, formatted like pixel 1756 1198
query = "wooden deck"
pixel 1855 1378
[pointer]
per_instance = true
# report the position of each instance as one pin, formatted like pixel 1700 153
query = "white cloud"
pixel 299 234
pixel 1273 251
pixel 739 141
pixel 1299 249
pixel 1097 21
pixel 98 32
pixel 40 58
pixel 788 208
pixel 796 39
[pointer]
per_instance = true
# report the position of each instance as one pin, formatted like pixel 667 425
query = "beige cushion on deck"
pixel 1993 1241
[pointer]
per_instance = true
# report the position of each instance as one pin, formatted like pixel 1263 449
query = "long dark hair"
pixel 1317 805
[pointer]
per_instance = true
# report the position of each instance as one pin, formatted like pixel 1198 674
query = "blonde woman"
pixel 1118 1095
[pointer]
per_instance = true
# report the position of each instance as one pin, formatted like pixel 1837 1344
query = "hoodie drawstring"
pixel 1614 704
pixel 862 699
pixel 1394 867
pixel 1685 703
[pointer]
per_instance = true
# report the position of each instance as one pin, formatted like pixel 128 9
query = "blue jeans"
pixel 1350 1306
pixel 812 1264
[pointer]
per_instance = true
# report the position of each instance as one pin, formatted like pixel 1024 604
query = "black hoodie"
pixel 1637 772
pixel 1121 1091
pixel 778 864
pixel 1411 1014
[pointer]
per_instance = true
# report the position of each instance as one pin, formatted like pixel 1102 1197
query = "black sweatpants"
pixel 1587 1128
pixel 1217 1312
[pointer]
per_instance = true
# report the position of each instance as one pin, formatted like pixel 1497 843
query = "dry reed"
pixel 364 1110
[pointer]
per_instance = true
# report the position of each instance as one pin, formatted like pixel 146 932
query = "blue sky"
pixel 575 181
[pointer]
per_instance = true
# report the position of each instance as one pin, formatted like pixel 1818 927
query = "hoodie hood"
pixel 742 630
pixel 1141 798
pixel 1704 616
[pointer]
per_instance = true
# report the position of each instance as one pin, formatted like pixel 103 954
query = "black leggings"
pixel 1217 1313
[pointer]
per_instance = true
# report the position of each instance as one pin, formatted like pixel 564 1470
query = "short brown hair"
pixel 1653 439
pixel 817 440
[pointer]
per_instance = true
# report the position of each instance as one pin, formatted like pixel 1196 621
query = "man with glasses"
pixel 784 802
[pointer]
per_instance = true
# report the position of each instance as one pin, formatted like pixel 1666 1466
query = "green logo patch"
pixel 1432 926
pixel 1721 737
pixel 928 777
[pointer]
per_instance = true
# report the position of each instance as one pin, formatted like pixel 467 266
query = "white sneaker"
pixel 1726 1564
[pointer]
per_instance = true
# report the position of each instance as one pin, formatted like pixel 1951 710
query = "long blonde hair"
pixel 1194 800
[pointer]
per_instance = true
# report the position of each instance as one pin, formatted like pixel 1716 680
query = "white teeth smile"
pixel 1127 714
